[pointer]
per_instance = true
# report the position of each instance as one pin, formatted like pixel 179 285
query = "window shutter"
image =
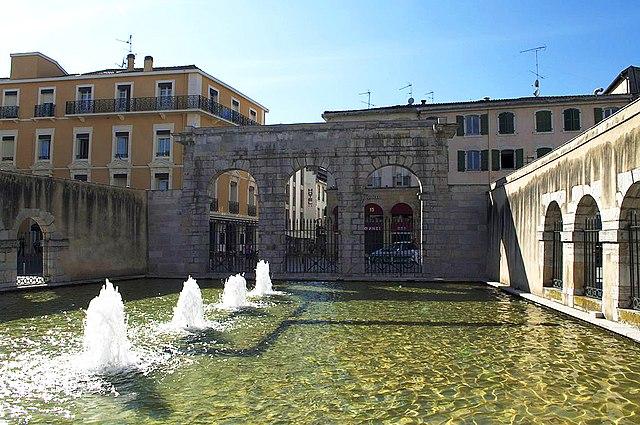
pixel 460 122
pixel 519 158
pixel 495 159
pixel 597 115
pixel 567 120
pixel 484 160
pixel 484 124
pixel 461 160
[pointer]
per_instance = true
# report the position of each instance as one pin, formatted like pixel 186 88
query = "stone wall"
pixel 349 152
pixel 90 231
pixel 166 234
pixel 597 172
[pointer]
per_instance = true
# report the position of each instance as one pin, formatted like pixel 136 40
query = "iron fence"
pixel 392 247
pixel 232 245
pixel 592 258
pixel 556 272
pixel 44 110
pixel 634 258
pixel 312 246
pixel 9 111
pixel 30 255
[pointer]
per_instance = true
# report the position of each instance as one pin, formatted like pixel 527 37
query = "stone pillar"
pixel 571 254
pixel 8 265
pixel 53 250
pixel 351 220
pixel 616 288
pixel 271 217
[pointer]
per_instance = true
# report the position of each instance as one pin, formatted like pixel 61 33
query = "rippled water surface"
pixel 321 353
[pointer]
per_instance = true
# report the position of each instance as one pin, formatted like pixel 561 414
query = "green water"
pixel 322 353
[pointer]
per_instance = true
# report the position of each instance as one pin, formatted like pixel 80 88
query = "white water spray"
pixel 189 312
pixel 263 280
pixel 106 345
pixel 235 292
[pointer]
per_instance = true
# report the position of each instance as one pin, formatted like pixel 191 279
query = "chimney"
pixel 148 63
pixel 130 59
pixel 423 101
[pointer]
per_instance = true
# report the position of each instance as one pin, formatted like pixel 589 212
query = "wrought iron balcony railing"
pixel 214 204
pixel 159 104
pixel 234 207
pixel 44 110
pixel 252 210
pixel 9 112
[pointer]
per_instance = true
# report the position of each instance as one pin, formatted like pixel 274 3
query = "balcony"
pixel 156 104
pixel 252 210
pixel 44 110
pixel 8 112
pixel 214 204
pixel 234 207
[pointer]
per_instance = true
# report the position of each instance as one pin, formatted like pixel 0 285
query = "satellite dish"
pixel 410 101
pixel 536 93
pixel 536 83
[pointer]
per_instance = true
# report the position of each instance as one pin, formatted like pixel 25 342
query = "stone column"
pixel 8 259
pixel 616 288
pixel 271 216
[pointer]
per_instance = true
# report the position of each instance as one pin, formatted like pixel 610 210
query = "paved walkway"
pixel 619 328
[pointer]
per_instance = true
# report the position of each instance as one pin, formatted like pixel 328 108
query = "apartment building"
pixel 113 126
pixel 307 195
pixel 496 136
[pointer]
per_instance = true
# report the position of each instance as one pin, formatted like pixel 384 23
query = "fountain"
pixel 189 312
pixel 263 280
pixel 235 292
pixel 106 345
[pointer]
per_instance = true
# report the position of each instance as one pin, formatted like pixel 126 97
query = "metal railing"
pixel 234 207
pixel 252 210
pixel 391 246
pixel 311 246
pixel 159 103
pixel 9 111
pixel 232 246
pixel 556 271
pixel 592 258
pixel 44 110
pixel 634 258
pixel 214 204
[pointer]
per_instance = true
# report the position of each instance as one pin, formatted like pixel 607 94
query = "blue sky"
pixel 300 58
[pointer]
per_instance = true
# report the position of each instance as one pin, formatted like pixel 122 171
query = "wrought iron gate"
pixel 634 258
pixel 30 252
pixel 592 260
pixel 232 245
pixel 556 272
pixel 312 246
pixel 397 251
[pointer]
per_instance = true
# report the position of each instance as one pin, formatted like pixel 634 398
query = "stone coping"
pixel 619 328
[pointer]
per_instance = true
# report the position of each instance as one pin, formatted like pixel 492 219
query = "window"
pixel 506 123
pixel 472 125
pixel 473 160
pixel 507 159
pixel 165 95
pixel 233 191
pixel 120 180
pixel 44 147
pixel 301 177
pixel 85 95
pixel 123 100
pixel 235 105
pixel 45 107
pixel 571 119
pixel 252 195
pixel 402 178
pixel 122 145
pixel 375 179
pixel 81 177
pixel 540 152
pixel 214 95
pixel 82 146
pixel 253 115
pixel 543 122
pixel 7 147
pixel 607 112
pixel 163 143
pixel 162 181
pixel 10 98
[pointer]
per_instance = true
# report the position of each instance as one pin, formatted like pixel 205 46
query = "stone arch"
pixel 552 263
pixel 380 166
pixel 44 219
pixel 628 235
pixel 587 262
pixel 51 240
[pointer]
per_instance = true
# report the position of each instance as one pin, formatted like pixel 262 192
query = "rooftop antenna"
pixel 410 87
pixel 130 43
pixel 368 102
pixel 536 83
pixel 429 94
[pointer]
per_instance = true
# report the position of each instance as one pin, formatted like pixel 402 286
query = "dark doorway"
pixel 30 249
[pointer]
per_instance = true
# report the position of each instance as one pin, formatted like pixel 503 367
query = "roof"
pixel 110 71
pixel 633 74
pixel 484 103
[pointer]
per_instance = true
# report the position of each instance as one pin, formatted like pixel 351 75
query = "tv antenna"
pixel 429 94
pixel 130 43
pixel 368 102
pixel 536 84
pixel 410 87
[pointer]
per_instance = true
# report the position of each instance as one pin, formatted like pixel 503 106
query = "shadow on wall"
pixel 506 263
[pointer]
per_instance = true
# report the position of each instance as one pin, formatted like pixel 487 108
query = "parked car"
pixel 398 252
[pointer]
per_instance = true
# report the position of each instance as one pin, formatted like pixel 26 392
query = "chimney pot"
pixel 148 63
pixel 130 61
pixel 423 101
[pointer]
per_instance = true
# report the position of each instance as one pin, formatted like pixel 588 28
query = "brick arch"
pixel 44 219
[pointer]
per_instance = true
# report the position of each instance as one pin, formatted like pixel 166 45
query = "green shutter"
pixel 519 158
pixel 495 159
pixel 461 160
pixel 540 152
pixel 460 122
pixel 567 119
pixel 597 115
pixel 484 160
pixel 484 124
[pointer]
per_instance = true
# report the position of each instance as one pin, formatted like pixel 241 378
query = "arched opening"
pixel 311 221
pixel 552 275
pixel 629 249
pixel 233 219
pixel 393 239
pixel 30 249
pixel 587 272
